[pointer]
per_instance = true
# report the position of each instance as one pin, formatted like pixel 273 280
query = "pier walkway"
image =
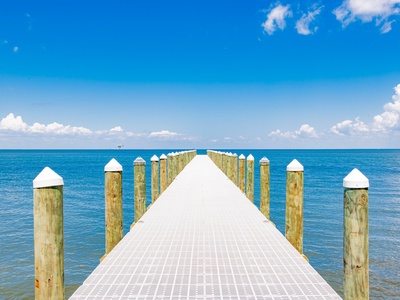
pixel 203 239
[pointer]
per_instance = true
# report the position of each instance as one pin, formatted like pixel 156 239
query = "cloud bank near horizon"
pixel 15 125
pixel 386 123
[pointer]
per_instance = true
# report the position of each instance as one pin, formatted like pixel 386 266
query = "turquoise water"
pixel 82 171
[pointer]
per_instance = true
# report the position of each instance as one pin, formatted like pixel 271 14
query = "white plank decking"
pixel 203 239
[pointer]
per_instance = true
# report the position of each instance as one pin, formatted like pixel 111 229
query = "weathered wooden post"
pixel 228 165
pixel 48 235
pixel 139 186
pixel 113 204
pixel 294 204
pixel 180 163
pixel 221 161
pixel 355 238
pixel 265 187
pixel 174 165
pixel 185 159
pixel 224 164
pixel 242 167
pixel 169 169
pixel 163 172
pixel 250 178
pixel 235 169
pixel 155 190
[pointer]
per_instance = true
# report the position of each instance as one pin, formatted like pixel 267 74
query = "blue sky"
pixel 200 74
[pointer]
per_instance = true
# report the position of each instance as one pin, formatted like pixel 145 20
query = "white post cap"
pixel 154 158
pixel 264 160
pixel 113 166
pixel 295 166
pixel 250 157
pixel 355 179
pixel 163 156
pixel 241 156
pixel 47 178
pixel 139 160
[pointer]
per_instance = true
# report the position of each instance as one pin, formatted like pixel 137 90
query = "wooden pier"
pixel 203 239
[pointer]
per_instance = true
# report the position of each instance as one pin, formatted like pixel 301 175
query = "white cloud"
pixel 390 118
pixel 15 49
pixel 367 11
pixel 303 24
pixel 386 122
pixel 163 134
pixel 116 129
pixel 387 26
pixel 350 128
pixel 305 131
pixel 13 123
pixel 16 124
pixel 276 18
pixel 170 135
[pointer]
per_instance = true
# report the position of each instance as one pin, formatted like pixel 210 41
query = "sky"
pixel 199 74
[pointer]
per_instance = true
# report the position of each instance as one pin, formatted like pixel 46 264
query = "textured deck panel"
pixel 203 239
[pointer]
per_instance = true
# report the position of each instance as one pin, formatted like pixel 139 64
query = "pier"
pixel 203 239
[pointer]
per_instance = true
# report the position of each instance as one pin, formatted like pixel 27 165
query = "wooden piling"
pixel 228 165
pixel 294 204
pixel 169 168
pixel 355 237
pixel 163 173
pixel 235 169
pixel 139 186
pixel 155 190
pixel 265 187
pixel 113 204
pixel 250 178
pixel 242 167
pixel 48 235
pixel 174 165
pixel 180 162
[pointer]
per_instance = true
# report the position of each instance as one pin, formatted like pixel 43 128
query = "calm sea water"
pixel 82 171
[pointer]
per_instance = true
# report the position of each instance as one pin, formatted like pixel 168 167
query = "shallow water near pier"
pixel 84 229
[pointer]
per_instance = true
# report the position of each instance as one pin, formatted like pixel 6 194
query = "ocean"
pixel 84 228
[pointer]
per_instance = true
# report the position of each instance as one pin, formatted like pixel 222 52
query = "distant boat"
pixel 120 146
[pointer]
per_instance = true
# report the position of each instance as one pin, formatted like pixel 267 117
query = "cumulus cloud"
pixel 350 128
pixel 170 135
pixel 16 124
pixel 368 10
pixel 163 134
pixel 390 118
pixel 386 122
pixel 305 131
pixel 303 24
pixel 13 123
pixel 116 129
pixel 276 18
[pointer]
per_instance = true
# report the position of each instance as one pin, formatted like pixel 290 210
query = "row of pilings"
pixel 48 200
pixel 240 170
